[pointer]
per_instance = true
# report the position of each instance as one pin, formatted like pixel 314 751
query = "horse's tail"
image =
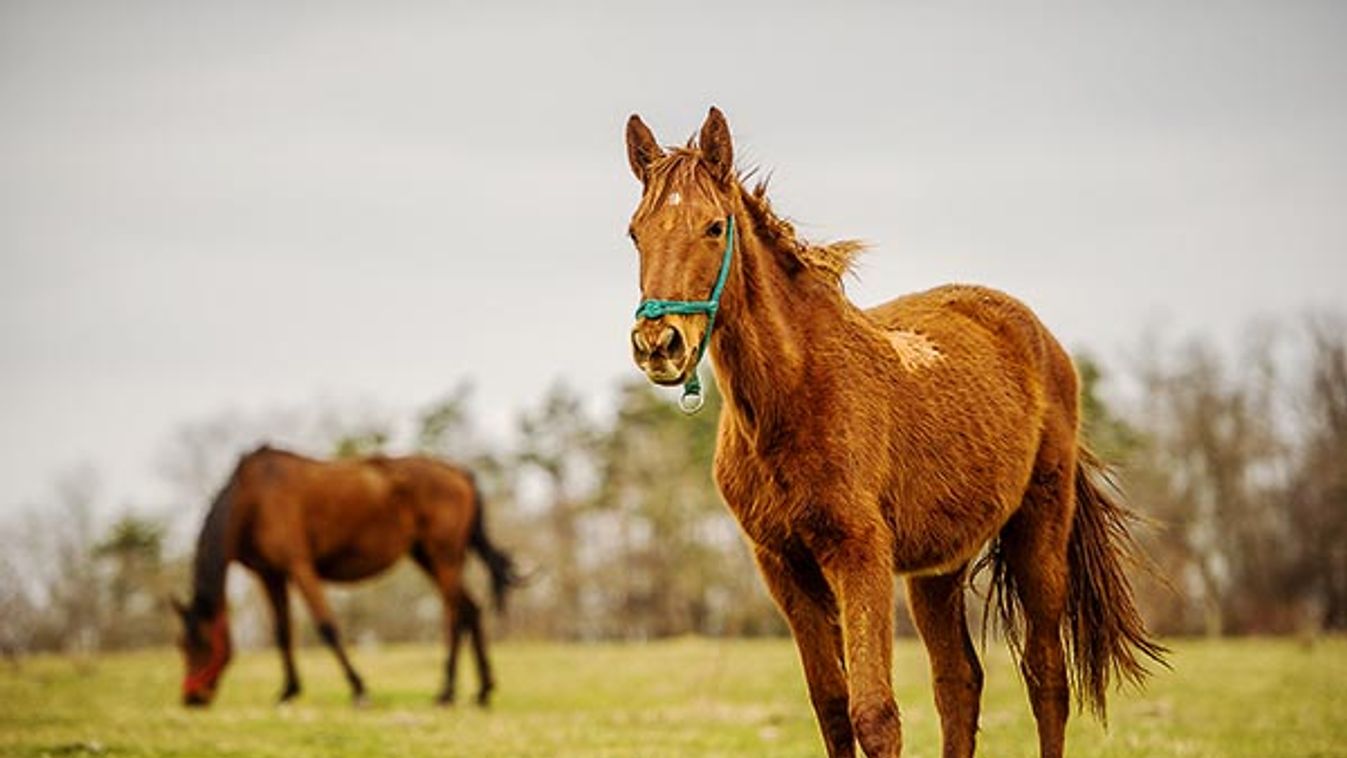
pixel 499 564
pixel 1106 638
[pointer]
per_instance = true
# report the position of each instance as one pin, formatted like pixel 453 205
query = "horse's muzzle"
pixel 660 350
pixel 196 699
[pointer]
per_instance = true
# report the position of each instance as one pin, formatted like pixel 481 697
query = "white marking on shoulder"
pixel 914 350
pixel 675 198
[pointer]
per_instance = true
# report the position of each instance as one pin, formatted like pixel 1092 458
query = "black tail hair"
pixel 499 564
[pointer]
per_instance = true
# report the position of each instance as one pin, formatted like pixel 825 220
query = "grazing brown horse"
pixel 291 519
pixel 856 444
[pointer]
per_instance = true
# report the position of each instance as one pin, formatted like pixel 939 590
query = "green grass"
pixel 690 697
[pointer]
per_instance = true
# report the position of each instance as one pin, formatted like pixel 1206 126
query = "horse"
pixel 294 520
pixel 907 439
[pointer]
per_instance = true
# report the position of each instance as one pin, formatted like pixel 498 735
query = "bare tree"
pixel 559 441
pixel 19 612
pixel 1316 502
pixel 1209 473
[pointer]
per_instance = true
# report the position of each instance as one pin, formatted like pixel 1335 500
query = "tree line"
pixel 1237 461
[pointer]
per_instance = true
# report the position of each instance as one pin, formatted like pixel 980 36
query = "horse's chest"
pixel 759 496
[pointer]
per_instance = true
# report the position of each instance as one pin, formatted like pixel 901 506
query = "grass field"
pixel 690 697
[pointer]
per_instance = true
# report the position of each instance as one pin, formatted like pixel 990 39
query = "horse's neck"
pixel 215 549
pixel 767 324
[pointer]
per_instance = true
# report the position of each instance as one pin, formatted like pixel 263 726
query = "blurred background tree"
pixel 1239 458
pixel 132 551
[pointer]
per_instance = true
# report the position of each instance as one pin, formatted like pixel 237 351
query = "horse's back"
pixel 442 497
pixel 955 314
pixel 340 515
pixel 983 330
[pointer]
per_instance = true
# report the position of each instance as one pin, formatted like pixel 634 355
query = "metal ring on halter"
pixel 691 402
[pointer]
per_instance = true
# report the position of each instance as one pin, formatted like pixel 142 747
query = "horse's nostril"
pixel 671 342
pixel 666 338
pixel 638 343
pixel 656 342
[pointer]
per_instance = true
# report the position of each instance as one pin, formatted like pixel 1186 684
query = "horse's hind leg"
pixel 448 577
pixel 455 641
pixel 937 606
pixel 467 621
pixel 1035 548
pixel 470 618
pixel 306 579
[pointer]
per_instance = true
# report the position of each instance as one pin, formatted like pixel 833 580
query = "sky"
pixel 212 208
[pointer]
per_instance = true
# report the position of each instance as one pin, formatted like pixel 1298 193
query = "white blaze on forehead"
pixel 675 198
pixel 914 350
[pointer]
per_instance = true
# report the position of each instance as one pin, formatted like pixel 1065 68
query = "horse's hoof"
pixel 287 696
pixel 360 700
pixel 484 699
pixel 444 699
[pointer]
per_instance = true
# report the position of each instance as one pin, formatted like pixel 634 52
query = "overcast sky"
pixel 208 207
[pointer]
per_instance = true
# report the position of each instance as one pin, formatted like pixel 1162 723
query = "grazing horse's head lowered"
pixel 206 650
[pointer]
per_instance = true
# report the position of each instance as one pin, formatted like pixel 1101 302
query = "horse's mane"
pixel 682 168
pixel 211 560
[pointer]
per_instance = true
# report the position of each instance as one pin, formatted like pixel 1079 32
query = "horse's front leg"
pixel 306 580
pixel 800 591
pixel 279 599
pixel 860 571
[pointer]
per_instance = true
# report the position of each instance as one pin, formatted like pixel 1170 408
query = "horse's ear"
pixel 642 149
pixel 717 149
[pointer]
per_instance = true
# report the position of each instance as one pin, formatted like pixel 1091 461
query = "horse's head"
pixel 683 230
pixel 206 650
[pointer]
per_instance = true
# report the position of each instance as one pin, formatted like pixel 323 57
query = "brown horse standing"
pixel 905 438
pixel 291 519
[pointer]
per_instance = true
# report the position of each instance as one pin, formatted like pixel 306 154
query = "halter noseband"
pixel 219 657
pixel 692 400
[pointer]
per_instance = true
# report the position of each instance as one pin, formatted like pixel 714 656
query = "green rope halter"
pixel 692 400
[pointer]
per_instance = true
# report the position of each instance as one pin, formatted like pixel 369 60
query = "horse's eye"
pixel 631 233
pixel 715 228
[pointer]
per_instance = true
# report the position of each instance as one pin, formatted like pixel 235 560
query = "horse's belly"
pixel 357 563
pixel 366 549
pixel 938 567
pixel 932 541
